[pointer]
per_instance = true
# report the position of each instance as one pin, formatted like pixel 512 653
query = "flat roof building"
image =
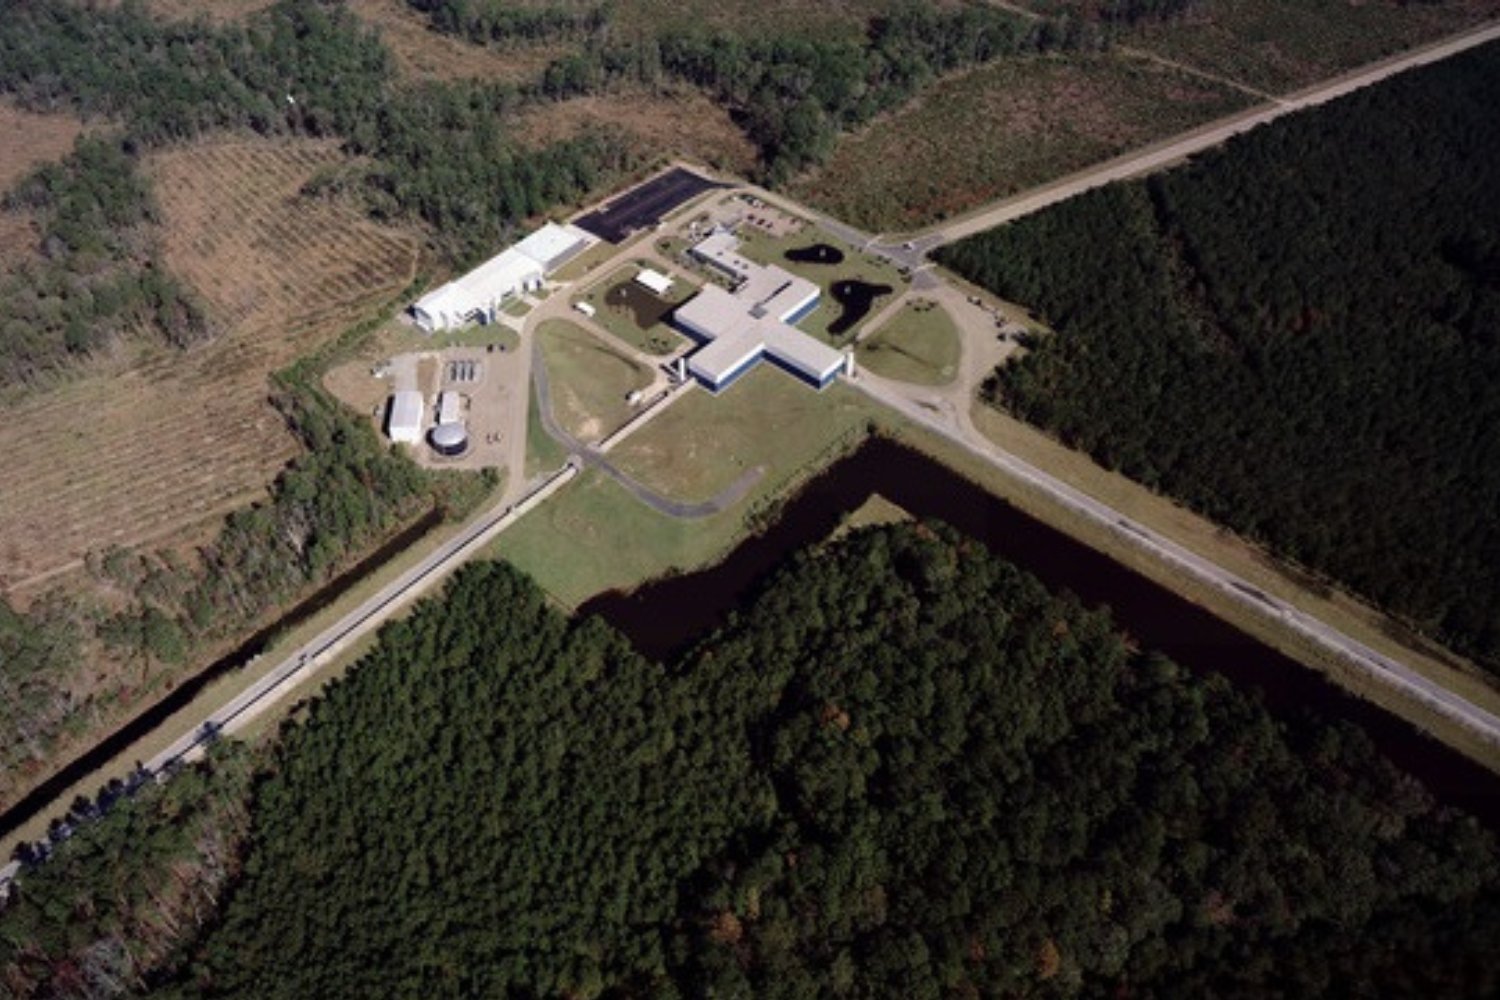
pixel 449 408
pixel 739 328
pixel 518 269
pixel 403 418
pixel 653 281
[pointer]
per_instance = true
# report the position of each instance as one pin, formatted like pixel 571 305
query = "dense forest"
pixel 1298 335
pixel 119 899
pixel 906 770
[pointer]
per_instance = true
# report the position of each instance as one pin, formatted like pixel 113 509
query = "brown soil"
pixel 28 140
pixel 218 11
pixel 687 124
pixel 423 54
pixel 144 449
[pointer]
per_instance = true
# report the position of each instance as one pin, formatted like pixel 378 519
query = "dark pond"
pixel 818 253
pixel 855 297
pixel 45 795
pixel 644 307
pixel 666 618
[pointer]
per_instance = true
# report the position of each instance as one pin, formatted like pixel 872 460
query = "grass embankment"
pixel 633 314
pixel 594 536
pixel 920 344
pixel 590 381
pixel 985 134
pixel 1233 553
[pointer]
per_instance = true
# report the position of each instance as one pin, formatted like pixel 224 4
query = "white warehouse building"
pixel 403 417
pixel 519 269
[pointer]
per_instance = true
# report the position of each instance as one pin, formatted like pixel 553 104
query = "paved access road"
pixel 939 415
pixel 1162 154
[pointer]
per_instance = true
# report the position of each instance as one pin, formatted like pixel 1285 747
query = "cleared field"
pixel 423 54
pixel 594 536
pixel 219 11
pixel 590 382
pixel 982 135
pixel 919 344
pixel 143 449
pixel 1280 45
pixel 28 140
pixel 683 123
pixel 847 18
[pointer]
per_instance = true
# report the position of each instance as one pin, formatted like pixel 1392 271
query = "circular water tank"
pixel 449 439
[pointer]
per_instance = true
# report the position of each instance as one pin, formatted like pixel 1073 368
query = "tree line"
pixel 1299 336
pixel 906 770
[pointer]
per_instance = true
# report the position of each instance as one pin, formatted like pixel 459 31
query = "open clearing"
pixel 140 452
pixel 594 536
pixel 27 140
pixel 919 344
pixel 982 135
pixel 590 381
pixel 1280 45
pixel 424 54
pixel 682 123
pixel 218 11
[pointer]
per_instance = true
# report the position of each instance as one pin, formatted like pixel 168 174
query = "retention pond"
pixel 667 617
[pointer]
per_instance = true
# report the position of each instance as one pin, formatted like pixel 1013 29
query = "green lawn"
pixel 517 308
pixel 593 536
pixel 767 249
pixel 919 344
pixel 590 381
pixel 542 453
pixel 770 420
pixel 657 337
pixel 399 338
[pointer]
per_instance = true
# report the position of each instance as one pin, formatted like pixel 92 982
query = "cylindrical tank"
pixel 449 439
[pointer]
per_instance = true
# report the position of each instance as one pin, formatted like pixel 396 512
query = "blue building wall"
pixel 801 375
pixel 733 374
pixel 802 313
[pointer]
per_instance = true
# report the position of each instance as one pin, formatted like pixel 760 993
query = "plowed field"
pixel 148 450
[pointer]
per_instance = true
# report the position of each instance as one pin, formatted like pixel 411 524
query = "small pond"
pixel 818 253
pixel 856 297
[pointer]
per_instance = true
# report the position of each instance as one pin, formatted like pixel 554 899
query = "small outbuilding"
pixel 403 418
pixel 653 281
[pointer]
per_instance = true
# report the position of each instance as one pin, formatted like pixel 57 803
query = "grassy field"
pixel 767 249
pixel 919 344
pixel 594 536
pixel 767 420
pixel 623 321
pixel 542 453
pixel 590 381
pixel 982 135
pixel 143 449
